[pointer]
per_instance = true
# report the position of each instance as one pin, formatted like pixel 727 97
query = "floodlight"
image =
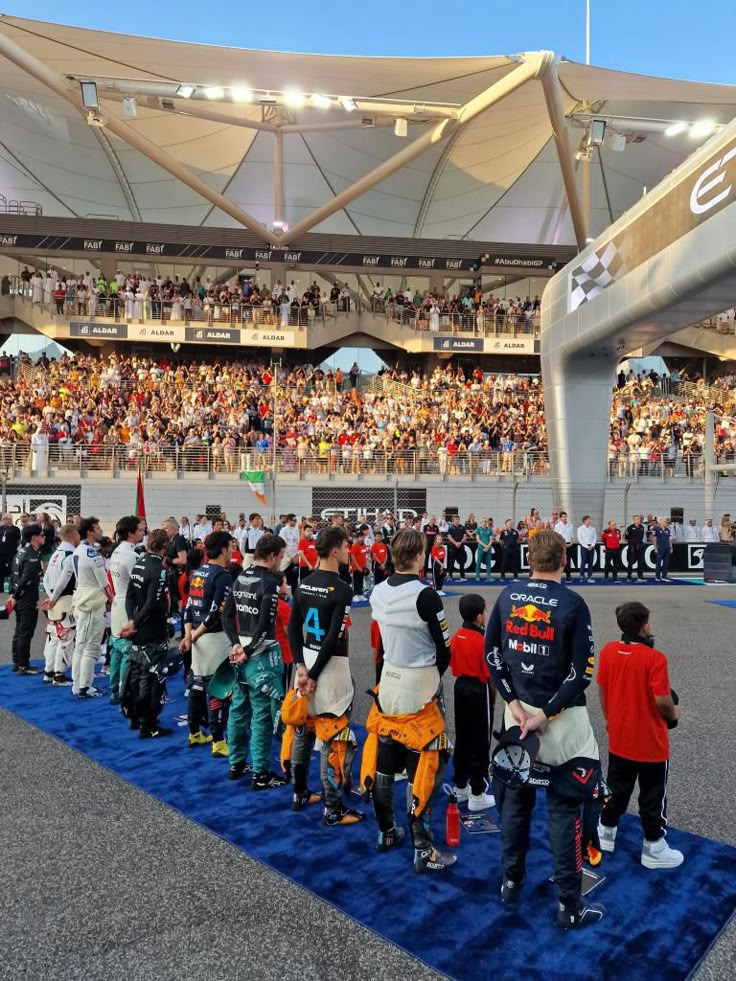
pixel 401 127
pixel 241 93
pixel 186 91
pixel 89 95
pixel 704 127
pixel 597 132
pixel 130 109
pixel 675 129
pixel 214 92
pixel 294 98
pixel 321 101
pixel 348 103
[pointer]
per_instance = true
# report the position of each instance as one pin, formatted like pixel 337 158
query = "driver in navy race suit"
pixel 540 649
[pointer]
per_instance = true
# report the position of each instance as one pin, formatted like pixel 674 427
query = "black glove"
pixel 672 723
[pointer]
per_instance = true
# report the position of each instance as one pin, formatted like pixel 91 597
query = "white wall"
pixel 109 499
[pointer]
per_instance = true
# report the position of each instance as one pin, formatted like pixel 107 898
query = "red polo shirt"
pixel 467 655
pixel 631 675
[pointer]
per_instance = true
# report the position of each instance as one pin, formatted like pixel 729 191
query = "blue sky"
pixel 677 38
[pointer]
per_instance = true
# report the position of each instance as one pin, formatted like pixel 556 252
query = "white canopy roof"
pixel 496 178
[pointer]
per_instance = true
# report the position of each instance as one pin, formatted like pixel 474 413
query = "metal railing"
pixel 9 206
pixel 480 323
pixel 19 458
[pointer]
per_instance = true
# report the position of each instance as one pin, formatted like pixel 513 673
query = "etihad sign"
pixel 702 198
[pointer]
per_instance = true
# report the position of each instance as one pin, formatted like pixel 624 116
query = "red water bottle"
pixel 452 822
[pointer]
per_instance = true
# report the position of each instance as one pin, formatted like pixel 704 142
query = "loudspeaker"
pixel 677 515
pixel 213 511
pixel 453 510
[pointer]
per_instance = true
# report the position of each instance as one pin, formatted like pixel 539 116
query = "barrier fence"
pixel 329 460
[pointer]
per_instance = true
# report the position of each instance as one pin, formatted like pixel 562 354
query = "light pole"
pixel 587 32
pixel 274 433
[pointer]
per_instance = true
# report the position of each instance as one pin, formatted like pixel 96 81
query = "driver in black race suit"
pixel 207 643
pixel 249 620
pixel 147 606
pixel 539 645
pixel 318 639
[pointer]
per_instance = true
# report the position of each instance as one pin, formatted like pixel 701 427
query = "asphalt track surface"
pixel 86 857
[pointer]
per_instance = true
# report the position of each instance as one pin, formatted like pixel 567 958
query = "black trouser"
pixel 568 561
pixel 511 562
pixel 612 563
pixel 379 574
pixel 206 712
pixel 26 618
pixel 6 562
pixel 358 581
pixel 636 558
pixel 393 758
pixel 473 727
pixel 564 828
pixel 586 562
pixel 438 575
pixel 146 687
pixel 456 556
pixel 621 779
pixel 292 576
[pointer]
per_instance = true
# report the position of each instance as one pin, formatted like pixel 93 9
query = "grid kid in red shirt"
pixel 379 554
pixel 637 702
pixel 474 698
pixel 439 563
pixel 359 561
pixel 308 558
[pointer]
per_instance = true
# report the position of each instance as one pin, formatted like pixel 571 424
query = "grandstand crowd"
pixel 453 421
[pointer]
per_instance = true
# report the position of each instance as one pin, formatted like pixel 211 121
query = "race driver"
pixel 318 638
pixel 539 645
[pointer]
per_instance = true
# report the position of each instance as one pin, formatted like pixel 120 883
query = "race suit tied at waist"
pixel 335 689
pixel 567 735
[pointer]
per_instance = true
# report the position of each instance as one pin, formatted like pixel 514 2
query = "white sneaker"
pixel 659 855
pixel 481 802
pixel 462 794
pixel 607 837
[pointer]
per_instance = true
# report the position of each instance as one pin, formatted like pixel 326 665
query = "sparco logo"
pixel 8 239
pixel 702 199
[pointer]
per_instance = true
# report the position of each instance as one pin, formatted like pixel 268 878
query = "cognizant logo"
pixel 700 202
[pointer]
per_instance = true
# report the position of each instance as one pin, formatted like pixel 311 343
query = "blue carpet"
pixel 731 603
pixel 659 924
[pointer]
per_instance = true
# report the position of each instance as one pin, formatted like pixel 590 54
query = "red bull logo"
pixel 530 613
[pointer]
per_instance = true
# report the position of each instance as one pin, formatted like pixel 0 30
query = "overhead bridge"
pixel 666 264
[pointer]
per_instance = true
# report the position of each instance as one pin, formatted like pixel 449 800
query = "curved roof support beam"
pixel 52 80
pixel 532 65
pixel 120 174
pixel 555 110
pixel 434 181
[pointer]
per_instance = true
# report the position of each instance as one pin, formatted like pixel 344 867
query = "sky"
pixel 676 38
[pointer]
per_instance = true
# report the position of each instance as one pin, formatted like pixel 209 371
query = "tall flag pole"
pixel 140 502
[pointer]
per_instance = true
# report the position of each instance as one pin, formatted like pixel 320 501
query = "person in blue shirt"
pixel 663 549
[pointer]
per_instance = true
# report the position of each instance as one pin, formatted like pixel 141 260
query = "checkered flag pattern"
pixel 595 274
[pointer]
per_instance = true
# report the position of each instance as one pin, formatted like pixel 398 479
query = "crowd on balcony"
pixel 134 297
pixel 206 415
pixel 468 310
